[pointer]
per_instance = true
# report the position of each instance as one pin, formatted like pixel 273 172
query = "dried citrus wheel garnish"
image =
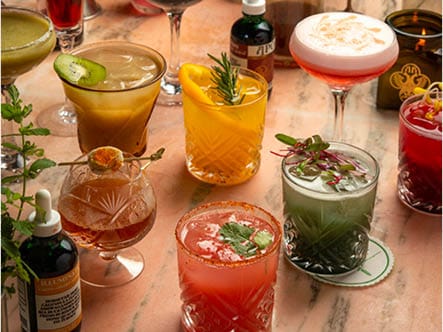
pixel 105 158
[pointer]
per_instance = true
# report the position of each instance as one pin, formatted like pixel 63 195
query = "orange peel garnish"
pixel 434 88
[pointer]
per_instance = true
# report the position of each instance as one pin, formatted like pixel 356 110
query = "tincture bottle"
pixel 253 41
pixel 51 302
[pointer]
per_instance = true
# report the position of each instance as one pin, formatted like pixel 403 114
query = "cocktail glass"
pixel 171 91
pixel 420 154
pixel 107 213
pixel 326 229
pixel 116 112
pixel 221 290
pixel 343 49
pixel 67 17
pixel 223 142
pixel 27 39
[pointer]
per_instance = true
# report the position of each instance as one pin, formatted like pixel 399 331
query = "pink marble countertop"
pixel 409 299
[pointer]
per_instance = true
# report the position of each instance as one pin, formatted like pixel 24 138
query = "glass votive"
pixel 327 225
pixel 221 288
pixel 420 154
pixel 419 34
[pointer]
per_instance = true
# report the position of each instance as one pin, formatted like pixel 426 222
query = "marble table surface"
pixel 409 299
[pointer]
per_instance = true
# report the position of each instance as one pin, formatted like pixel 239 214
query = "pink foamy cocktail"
pixel 344 48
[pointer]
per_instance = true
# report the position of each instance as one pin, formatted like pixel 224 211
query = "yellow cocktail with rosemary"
pixel 223 140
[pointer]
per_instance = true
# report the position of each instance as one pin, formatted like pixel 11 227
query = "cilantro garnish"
pixel 238 236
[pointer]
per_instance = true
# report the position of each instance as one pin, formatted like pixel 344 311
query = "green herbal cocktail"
pixel 116 110
pixel 27 39
pixel 329 196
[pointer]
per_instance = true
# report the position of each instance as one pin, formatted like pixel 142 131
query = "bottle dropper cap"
pixel 47 223
pixel 254 7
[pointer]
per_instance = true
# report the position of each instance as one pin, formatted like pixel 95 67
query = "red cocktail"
pixel 420 153
pixel 227 285
pixel 65 13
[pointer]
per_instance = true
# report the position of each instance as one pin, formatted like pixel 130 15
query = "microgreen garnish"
pixel 225 76
pixel 239 237
pixel 433 89
pixel 310 159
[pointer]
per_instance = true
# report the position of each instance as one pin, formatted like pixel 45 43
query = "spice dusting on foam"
pixel 340 34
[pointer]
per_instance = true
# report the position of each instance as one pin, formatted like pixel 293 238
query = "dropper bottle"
pixel 51 301
pixel 253 40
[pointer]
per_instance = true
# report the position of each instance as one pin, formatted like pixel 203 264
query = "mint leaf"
pixel 235 232
pixel 238 237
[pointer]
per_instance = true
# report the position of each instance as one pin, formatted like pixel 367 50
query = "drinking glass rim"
pixel 94 45
pixel 339 194
pixel 43 38
pixel 412 127
pixel 274 223
pixel 390 18
pixel 224 107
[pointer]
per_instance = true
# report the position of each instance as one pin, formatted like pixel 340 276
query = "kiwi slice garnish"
pixel 78 70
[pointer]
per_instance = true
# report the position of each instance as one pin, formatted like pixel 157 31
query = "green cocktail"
pixel 27 39
pixel 328 207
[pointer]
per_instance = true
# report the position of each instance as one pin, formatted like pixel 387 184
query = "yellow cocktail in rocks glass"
pixel 223 142
pixel 116 111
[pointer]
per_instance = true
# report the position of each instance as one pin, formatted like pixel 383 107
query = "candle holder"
pixel 419 35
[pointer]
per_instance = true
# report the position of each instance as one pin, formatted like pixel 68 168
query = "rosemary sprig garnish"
pixel 225 76
pixel 311 160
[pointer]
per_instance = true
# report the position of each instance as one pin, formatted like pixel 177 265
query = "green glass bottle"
pixel 51 302
pixel 253 41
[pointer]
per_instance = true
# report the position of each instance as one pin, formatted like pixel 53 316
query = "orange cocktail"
pixel 224 287
pixel 223 142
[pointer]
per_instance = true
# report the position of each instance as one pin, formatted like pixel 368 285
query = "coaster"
pixel 376 267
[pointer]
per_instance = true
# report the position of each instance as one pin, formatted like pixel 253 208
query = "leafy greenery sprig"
pixel 313 160
pixel 238 236
pixel 225 76
pixel 13 203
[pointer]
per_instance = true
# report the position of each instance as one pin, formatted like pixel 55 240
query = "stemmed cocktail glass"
pixel 106 212
pixel 170 93
pixel 343 49
pixel 67 17
pixel 27 39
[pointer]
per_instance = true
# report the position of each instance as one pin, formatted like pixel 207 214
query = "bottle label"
pixel 259 58
pixel 57 302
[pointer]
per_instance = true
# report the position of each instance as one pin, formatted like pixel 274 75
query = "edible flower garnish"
pixel 431 97
pixel 109 158
pixel 238 236
pixel 310 159
pixel 225 76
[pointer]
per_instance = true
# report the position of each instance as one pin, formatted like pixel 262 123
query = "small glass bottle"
pixel 253 41
pixel 51 302
pixel 284 16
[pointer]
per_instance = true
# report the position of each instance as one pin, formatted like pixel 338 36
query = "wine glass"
pixel 67 17
pixel 170 93
pixel 343 49
pixel 27 39
pixel 106 213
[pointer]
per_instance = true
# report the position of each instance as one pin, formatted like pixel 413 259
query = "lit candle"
pixel 421 42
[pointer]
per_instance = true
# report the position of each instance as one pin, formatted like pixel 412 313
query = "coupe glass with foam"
pixel 343 49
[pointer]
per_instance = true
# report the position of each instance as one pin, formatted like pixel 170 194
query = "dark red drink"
pixel 420 154
pixel 65 14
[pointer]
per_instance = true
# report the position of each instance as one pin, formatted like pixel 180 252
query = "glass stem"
pixel 339 109
pixel 175 18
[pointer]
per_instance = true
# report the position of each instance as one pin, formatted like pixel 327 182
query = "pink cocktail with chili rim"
pixel 420 152
pixel 227 259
